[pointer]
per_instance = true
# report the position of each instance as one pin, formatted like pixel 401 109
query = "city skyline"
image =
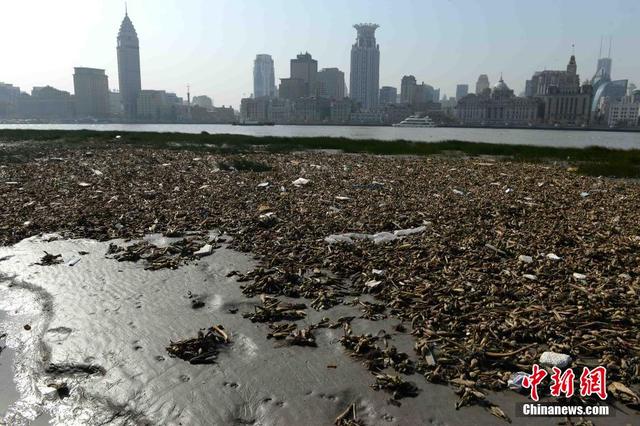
pixel 219 63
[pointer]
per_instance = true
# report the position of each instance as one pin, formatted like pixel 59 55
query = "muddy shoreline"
pixel 473 257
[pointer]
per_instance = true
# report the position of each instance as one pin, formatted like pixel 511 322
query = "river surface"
pixel 557 138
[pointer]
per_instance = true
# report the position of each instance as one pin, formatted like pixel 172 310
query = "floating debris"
pixel 62 389
pixel 206 250
pixel 398 387
pixel 281 331
pixel 202 349
pixel 459 288
pixel 525 259
pixel 50 259
pixel 377 238
pixel 553 359
pixel 170 257
pixel 273 310
pixel 349 417
pixel 624 394
pixel 302 337
pixel 301 182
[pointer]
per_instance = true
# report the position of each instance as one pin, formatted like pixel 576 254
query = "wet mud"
pixel 96 351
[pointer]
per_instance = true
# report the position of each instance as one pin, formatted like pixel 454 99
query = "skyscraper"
pixel 305 68
pixel 129 66
pixel 91 88
pixel 482 84
pixel 408 89
pixel 388 95
pixel 462 90
pixel 264 81
pixel 331 83
pixel 365 67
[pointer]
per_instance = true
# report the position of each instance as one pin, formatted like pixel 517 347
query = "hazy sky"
pixel 211 44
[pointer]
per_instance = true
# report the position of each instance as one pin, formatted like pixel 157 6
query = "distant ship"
pixel 254 123
pixel 415 121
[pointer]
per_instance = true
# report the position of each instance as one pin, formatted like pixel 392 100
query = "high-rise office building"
pixel 408 87
pixel 462 90
pixel 482 84
pixel 203 102
pixel 264 81
pixel 331 83
pixel 365 67
pixel 305 68
pixel 129 66
pixel 388 95
pixel 91 88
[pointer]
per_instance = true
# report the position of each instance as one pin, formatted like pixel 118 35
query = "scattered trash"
pixel 458 288
pixel 584 194
pixel 515 382
pixel 378 238
pixel 202 349
pixel 171 257
pixel 84 184
pixel 27 327
pixel 263 184
pixel 525 259
pixel 624 394
pixel 50 259
pixel 553 359
pixel 396 386
pixel 300 182
pixel 61 389
pixel 206 250
pixel 273 310
pixel 303 337
pixel 73 262
pixel 349 417
pixel 458 192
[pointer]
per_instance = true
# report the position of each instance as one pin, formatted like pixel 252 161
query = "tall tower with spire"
pixel 365 67
pixel 572 67
pixel 129 66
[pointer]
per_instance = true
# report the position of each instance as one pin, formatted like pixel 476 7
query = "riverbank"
pixel 594 161
pixel 558 139
pixel 481 262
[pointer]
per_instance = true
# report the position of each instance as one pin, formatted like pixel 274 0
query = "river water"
pixel 558 138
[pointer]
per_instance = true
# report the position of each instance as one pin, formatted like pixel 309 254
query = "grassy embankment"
pixel 592 161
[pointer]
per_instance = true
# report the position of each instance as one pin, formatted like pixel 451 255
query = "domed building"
pixel 498 107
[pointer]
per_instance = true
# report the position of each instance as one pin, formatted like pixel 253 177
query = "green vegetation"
pixel 592 160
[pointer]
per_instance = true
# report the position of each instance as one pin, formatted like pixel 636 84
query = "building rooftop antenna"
pixel 600 54
pixel 126 12
pixel 610 43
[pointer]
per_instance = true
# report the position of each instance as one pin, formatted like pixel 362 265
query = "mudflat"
pixel 429 280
